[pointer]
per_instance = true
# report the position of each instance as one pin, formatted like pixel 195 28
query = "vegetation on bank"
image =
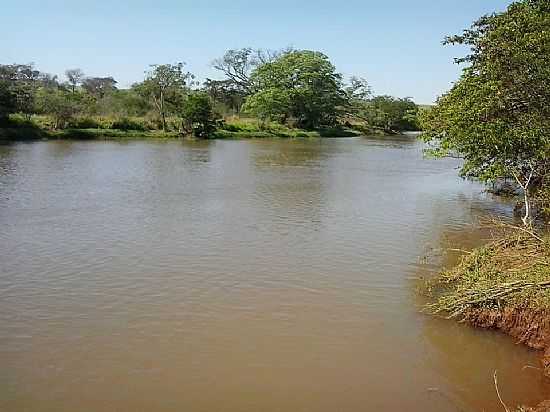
pixel 287 93
pixel 504 285
pixel 511 271
pixel 98 127
pixel 496 118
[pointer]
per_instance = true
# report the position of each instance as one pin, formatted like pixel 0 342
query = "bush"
pixel 198 115
pixel 83 123
pixel 125 123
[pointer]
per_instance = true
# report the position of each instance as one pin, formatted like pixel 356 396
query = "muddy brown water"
pixel 262 275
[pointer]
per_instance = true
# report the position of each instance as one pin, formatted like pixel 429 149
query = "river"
pixel 258 275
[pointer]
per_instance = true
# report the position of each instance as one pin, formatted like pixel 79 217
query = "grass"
pixel 246 128
pixel 30 133
pixel 111 134
pixel 97 127
pixel 511 271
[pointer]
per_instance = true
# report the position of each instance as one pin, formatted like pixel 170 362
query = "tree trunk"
pixel 525 185
pixel 526 219
pixel 162 114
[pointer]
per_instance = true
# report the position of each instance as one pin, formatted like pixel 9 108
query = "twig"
pixel 531 367
pixel 498 393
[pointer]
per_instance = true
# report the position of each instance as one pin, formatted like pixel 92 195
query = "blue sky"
pixel 394 44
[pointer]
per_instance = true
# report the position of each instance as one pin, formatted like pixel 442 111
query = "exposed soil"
pixel 529 326
pixel 542 407
pixel 504 285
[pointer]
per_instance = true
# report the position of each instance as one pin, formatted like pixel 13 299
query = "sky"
pixel 394 44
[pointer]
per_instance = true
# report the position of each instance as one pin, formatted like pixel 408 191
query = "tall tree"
pixel 225 92
pixel 8 102
pixel 497 115
pixel 165 84
pixel 75 77
pixel 303 85
pixel 98 87
pixel 61 104
pixel 198 114
pixel 19 83
pixel 238 64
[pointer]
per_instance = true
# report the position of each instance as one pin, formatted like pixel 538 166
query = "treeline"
pixel 299 89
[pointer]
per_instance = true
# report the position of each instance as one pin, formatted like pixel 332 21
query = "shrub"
pixel 125 123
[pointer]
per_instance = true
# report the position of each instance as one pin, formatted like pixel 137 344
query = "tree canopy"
pixel 165 84
pixel 296 88
pixel 198 114
pixel 302 85
pixel 497 114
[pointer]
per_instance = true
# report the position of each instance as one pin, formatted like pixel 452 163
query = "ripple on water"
pixel 257 275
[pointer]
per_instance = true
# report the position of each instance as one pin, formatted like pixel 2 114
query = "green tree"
pixel 271 103
pixel 8 101
pixel 392 114
pixel 226 93
pixel 20 82
pixel 59 103
pixel 198 114
pixel 237 66
pixel 125 102
pixel 98 87
pixel 75 77
pixel 302 85
pixel 497 115
pixel 165 86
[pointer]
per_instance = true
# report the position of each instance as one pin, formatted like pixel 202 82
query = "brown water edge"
pixel 528 326
pixel 542 407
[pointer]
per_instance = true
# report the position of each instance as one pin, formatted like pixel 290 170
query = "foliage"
pixel 243 128
pixel 229 95
pixel 18 83
pixel 497 115
pixel 75 77
pixel 8 102
pixel 282 89
pixel 302 85
pixel 98 87
pixel 165 86
pixel 198 114
pixel 62 105
pixel 270 104
pixel 238 64
pixel 512 270
pixel 387 113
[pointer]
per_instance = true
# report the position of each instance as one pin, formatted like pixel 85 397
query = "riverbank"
pixel 97 127
pixel 505 286
pixel 28 133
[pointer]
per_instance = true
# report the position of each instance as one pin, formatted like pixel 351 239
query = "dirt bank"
pixel 528 326
pixel 504 285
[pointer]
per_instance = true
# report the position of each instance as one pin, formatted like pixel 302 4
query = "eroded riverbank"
pixel 503 285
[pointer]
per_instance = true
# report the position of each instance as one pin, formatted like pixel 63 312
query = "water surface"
pixel 268 275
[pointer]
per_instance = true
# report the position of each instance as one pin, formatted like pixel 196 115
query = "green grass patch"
pixel 111 134
pixel 511 271
pixel 98 127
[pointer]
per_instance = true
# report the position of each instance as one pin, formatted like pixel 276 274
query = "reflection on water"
pixel 239 275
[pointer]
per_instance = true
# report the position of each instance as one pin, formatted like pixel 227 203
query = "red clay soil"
pixel 542 407
pixel 530 327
